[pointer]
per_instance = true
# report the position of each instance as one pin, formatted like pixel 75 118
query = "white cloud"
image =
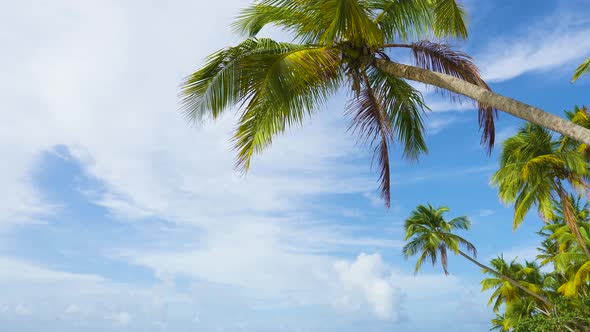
pixel 106 89
pixel 12 269
pixel 486 212
pixel 120 318
pixel 555 42
pixel 72 309
pixel 369 275
pixel 22 310
pixel 438 124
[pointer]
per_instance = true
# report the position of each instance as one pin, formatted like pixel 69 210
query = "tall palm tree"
pixel 431 237
pixel 345 43
pixel 535 170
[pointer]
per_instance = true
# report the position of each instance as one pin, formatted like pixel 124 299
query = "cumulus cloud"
pixel 100 78
pixel 369 276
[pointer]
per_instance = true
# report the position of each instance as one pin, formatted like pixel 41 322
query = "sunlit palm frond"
pixel 283 87
pixel 349 21
pixel 584 68
pixel 221 83
pixel 302 19
pixel 578 278
pixel 448 15
pixel 404 20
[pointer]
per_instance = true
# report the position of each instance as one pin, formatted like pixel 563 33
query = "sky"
pixel 119 215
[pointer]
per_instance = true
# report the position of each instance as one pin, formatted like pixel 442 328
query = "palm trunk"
pixel 521 110
pixel 510 280
pixel 570 218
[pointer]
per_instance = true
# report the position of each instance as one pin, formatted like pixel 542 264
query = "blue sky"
pixel 119 216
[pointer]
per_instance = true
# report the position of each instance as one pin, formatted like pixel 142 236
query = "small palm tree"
pixel 345 44
pixel 431 237
pixel 534 170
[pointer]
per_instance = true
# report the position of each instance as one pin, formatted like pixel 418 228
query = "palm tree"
pixel 534 170
pixel 505 292
pixel 430 236
pixel 344 43
pixel 560 247
pixel 584 68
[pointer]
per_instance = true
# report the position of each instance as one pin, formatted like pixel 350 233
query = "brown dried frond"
pixel 443 59
pixel 371 122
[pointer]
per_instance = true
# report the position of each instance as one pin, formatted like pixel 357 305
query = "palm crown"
pixel 431 236
pixel 535 170
pixel 337 43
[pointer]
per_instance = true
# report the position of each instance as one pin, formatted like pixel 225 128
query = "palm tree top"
pixel 336 44
pixel 430 236
pixel 534 167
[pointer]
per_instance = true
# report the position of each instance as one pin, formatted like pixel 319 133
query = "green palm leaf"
pixel 581 70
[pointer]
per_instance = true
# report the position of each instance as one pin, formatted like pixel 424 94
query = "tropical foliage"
pixel 552 292
pixel 345 45
pixel 431 237
pixel 565 277
pixel 278 85
pixel 536 170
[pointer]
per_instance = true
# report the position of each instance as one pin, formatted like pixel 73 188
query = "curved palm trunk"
pixel 521 110
pixel 510 280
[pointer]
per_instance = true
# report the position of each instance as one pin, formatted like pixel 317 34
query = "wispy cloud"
pixel 486 212
pixel 438 124
pixel 554 42
pixel 16 270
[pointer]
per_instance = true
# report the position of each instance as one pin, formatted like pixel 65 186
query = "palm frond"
pixel 584 68
pixel 220 83
pixel 404 106
pixel 349 21
pixel 372 123
pixel 301 18
pixel 448 15
pixel 278 83
pixel 460 223
pixel 443 59
pixel 403 19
